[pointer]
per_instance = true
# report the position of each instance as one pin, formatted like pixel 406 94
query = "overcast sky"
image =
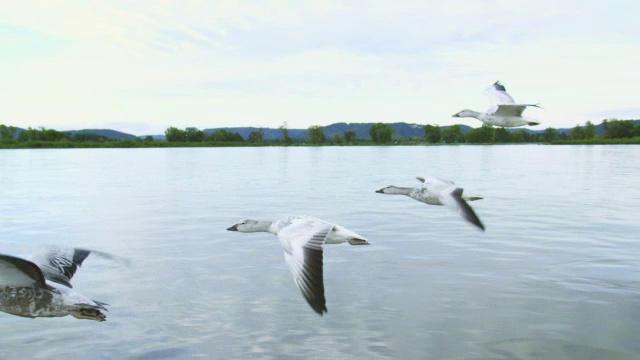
pixel 142 66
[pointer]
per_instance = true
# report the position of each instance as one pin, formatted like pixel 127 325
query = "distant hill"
pixel 112 134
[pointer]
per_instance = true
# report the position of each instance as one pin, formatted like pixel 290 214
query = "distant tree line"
pixel 192 134
pixel 7 134
pixel 380 133
pixel 613 129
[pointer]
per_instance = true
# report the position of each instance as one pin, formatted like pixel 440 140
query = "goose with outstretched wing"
pixel 503 112
pixel 436 191
pixel 41 286
pixel 302 239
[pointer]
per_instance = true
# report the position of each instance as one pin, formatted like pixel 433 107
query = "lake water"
pixel 555 276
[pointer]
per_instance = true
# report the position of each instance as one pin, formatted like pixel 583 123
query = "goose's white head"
pixel 245 226
pixel 391 190
pixel 465 113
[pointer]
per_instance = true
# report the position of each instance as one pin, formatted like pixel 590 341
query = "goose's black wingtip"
pixel 320 310
pixel 498 86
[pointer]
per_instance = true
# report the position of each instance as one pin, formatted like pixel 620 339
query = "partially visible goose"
pixel 302 238
pixel 504 112
pixel 436 191
pixel 41 287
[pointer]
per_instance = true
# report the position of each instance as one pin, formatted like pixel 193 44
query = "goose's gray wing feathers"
pixel 302 243
pixel 454 201
pixel 497 93
pixel 509 110
pixel 19 272
pixel 59 264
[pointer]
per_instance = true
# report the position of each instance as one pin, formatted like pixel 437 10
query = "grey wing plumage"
pixel 467 211
pixel 509 110
pixel 59 264
pixel 311 281
pixel 19 272
pixel 305 260
pixel 435 184
pixel 497 93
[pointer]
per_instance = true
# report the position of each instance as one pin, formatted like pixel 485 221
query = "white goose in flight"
pixel 302 238
pixel 41 287
pixel 504 112
pixel 436 191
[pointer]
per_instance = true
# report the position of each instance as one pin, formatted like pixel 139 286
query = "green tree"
pixel 192 134
pixel 452 134
pixel 517 136
pixel 173 134
pixel 54 135
pixel 223 135
pixel 589 130
pixel 481 135
pixel 316 134
pixel 148 138
pixel 380 133
pixel 237 137
pixel 501 135
pixel 24 135
pixel 257 136
pixel 285 134
pixel 89 137
pixel 349 136
pixel 337 140
pixel 432 134
pixel 549 134
pixel 42 134
pixel 528 137
pixel 7 132
pixel 577 133
pixel 617 129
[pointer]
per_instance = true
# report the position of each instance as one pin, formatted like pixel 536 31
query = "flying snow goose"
pixel 504 112
pixel 41 287
pixel 436 191
pixel 302 238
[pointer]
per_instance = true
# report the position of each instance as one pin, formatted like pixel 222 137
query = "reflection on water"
pixel 555 275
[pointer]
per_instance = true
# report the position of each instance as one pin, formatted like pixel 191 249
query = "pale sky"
pixel 142 66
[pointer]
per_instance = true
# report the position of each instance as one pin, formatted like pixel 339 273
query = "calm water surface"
pixel 556 275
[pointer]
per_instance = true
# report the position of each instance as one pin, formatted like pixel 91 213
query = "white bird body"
pixel 303 223
pixel 436 191
pixel 302 238
pixel 41 287
pixel 503 112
